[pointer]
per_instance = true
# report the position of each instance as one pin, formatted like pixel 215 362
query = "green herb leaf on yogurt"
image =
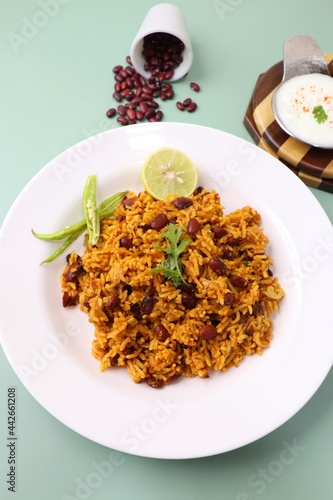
pixel 319 114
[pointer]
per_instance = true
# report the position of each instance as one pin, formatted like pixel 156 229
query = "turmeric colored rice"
pixel 157 344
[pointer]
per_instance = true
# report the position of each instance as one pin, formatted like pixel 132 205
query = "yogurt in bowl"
pixel 303 107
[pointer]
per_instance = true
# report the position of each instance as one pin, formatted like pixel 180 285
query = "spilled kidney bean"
pixel 111 112
pixel 163 54
pixel 192 107
pixel 195 86
pixel 207 332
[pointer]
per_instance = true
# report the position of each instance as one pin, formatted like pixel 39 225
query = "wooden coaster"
pixel 313 161
pixel 308 179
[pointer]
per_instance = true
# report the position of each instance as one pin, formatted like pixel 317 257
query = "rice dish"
pixel 158 331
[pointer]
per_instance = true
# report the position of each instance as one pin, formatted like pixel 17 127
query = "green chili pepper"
pixel 68 241
pixel 63 233
pixel 90 209
pixel 105 209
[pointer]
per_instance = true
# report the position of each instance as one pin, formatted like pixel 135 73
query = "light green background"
pixel 54 90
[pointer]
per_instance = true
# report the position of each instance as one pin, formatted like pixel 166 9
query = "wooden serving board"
pixel 313 161
pixel 324 184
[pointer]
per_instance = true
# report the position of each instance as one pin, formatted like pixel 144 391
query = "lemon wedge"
pixel 169 171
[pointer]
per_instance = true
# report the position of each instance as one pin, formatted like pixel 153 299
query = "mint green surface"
pixel 55 87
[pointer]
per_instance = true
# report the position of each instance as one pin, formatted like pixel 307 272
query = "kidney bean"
pixel 233 242
pixel 112 303
pixel 161 333
pixel 238 281
pixel 159 116
pixel 182 202
pixel 127 288
pixel 111 112
pixel 117 68
pixel 73 271
pixel 229 298
pixel 187 102
pixel 169 93
pixel 117 86
pixel 123 120
pixel 136 310
pixel 123 73
pixel 126 242
pixel 147 305
pixel 143 106
pixel 226 253
pixel 68 300
pixel 154 382
pixel 207 332
pixel 121 110
pixel 117 96
pixel 128 202
pixel 142 81
pixel 159 222
pixel 189 301
pixel 130 96
pixel 169 74
pixel 149 113
pixel 152 104
pixel 114 360
pixel 187 287
pixel 198 190
pixel 119 78
pixel 129 82
pixel 191 107
pixel 139 115
pixel 219 231
pixel 130 70
pixel 195 86
pixel 180 106
pixel 131 114
pixel 258 309
pixel 218 266
pixel 128 60
pixel 193 227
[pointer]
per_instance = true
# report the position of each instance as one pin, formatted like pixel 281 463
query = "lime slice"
pixel 169 171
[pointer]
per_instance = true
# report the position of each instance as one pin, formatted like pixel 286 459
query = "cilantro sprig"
pixel 319 114
pixel 172 267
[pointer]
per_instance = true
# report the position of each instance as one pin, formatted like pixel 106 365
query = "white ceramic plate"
pixel 49 346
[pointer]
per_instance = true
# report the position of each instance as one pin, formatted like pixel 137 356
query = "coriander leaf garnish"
pixel 319 114
pixel 172 267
